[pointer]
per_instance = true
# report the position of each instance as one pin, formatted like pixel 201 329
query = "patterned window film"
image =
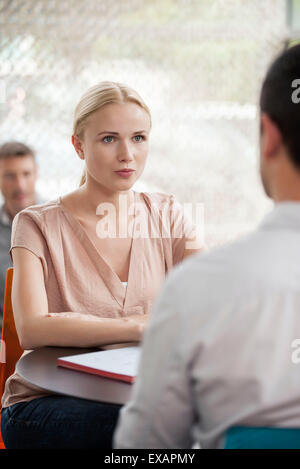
pixel 198 65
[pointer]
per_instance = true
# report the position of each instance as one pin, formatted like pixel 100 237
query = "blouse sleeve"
pixel 184 233
pixel 27 233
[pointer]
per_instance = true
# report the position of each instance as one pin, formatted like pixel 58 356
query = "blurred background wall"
pixel 197 63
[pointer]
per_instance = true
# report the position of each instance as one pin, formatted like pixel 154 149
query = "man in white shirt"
pixel 218 350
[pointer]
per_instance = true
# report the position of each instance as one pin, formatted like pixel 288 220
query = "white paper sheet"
pixel 123 361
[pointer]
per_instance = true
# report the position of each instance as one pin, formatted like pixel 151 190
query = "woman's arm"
pixel 37 328
pixel 189 252
pixel 193 247
pixel 187 237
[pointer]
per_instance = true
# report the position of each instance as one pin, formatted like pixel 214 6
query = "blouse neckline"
pixel 110 278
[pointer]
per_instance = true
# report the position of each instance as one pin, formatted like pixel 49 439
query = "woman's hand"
pixel 136 322
pixel 140 321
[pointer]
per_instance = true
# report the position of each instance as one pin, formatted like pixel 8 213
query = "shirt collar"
pixel 285 215
pixel 4 217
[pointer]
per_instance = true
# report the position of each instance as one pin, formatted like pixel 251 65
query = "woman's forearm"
pixel 79 330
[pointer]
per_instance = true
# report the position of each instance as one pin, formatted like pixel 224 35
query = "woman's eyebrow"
pixel 108 132
pixel 117 133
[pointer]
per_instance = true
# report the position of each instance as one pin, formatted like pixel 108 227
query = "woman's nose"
pixel 125 153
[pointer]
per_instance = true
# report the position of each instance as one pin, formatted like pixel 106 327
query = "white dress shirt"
pixel 217 352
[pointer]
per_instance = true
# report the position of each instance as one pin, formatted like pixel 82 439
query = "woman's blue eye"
pixel 139 138
pixel 108 139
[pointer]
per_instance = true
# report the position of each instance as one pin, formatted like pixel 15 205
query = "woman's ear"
pixel 77 144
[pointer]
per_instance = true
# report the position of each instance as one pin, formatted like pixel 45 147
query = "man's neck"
pixel 288 192
pixel 12 211
pixel 285 185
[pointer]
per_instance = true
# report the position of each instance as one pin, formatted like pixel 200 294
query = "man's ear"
pixel 1 174
pixel 77 143
pixel 271 138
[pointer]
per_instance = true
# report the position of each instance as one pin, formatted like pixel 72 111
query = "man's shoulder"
pixel 5 220
pixel 223 263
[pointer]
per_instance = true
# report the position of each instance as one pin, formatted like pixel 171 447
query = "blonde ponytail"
pixel 83 179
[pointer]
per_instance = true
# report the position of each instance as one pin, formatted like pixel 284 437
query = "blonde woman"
pixel 74 285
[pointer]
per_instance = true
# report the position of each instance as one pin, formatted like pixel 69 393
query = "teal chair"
pixel 262 438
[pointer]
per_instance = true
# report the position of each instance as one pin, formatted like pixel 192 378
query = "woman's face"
pixel 116 137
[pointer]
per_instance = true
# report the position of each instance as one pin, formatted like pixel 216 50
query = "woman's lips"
pixel 125 174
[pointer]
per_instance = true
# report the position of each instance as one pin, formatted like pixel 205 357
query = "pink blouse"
pixel 78 279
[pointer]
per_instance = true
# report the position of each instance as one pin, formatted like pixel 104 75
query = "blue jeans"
pixel 59 422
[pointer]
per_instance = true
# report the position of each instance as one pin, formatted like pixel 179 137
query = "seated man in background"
pixel 18 174
pixel 219 347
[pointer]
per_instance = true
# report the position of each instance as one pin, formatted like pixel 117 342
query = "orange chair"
pixel 10 339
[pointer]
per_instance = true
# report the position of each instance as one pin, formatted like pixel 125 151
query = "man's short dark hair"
pixel 15 149
pixel 276 99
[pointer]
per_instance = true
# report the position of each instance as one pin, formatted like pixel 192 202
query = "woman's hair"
pixel 106 92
